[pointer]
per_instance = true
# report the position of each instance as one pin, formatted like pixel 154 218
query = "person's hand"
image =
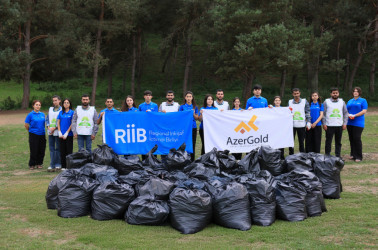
pixel 313 125
pixel 270 106
pixel 60 134
pixel 308 126
pixel 325 127
pixel 250 108
pixel 164 111
pixel 65 135
pixel 201 111
pixel 222 110
pixel 291 109
pixel 75 136
pixel 352 116
pixel 344 127
pixel 102 114
pixel 51 130
pixel 93 137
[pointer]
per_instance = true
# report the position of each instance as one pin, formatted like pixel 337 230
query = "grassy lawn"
pixel 351 222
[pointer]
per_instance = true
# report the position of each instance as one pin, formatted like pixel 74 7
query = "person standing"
pixel 35 125
pixel 170 105
pixel 129 104
pixel 84 124
pixel 236 106
pixel 148 105
pixel 52 131
pixel 277 104
pixel 64 122
pixel 256 101
pixel 314 135
pixel 301 118
pixel 220 103
pixel 190 104
pixel 334 121
pixel 357 108
pixel 109 108
pixel 208 103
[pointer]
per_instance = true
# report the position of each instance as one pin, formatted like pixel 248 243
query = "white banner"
pixel 242 131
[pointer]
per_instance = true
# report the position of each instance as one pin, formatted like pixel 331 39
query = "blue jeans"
pixel 54 147
pixel 88 142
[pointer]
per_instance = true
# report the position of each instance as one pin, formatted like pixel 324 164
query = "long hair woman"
pixel 208 103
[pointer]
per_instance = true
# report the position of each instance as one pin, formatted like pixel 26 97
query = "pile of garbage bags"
pixel 215 188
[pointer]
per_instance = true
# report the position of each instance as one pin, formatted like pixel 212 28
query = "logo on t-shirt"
pixel 53 123
pixel 297 116
pixel 85 122
pixel 335 113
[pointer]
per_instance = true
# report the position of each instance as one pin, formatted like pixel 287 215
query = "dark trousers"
pixel 66 148
pixel 282 153
pixel 238 156
pixel 338 132
pixel 314 139
pixel 355 141
pixel 194 140
pixel 301 136
pixel 203 141
pixel 37 145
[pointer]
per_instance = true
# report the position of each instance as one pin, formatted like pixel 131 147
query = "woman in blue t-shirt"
pixel 35 125
pixel 208 103
pixel 314 134
pixel 64 122
pixel 190 104
pixel 236 106
pixel 129 104
pixel 357 108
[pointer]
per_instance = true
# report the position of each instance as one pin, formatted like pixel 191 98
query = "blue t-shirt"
pixel 106 111
pixel 236 109
pixel 315 109
pixel 186 107
pixel 65 121
pixel 152 107
pixel 355 106
pixel 213 108
pixel 256 102
pixel 36 122
pixel 132 109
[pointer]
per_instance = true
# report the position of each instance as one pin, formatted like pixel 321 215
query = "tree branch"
pixel 39 59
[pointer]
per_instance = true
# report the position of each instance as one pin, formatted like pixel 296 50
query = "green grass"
pixel 351 222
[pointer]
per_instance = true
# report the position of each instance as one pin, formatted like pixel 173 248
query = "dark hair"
pixel 56 96
pixel 193 101
pixel 35 101
pixel 109 98
pixel 168 92
pixel 295 89
pixel 69 101
pixel 333 89
pixel 233 100
pixel 125 107
pixel 359 90
pixel 219 90
pixel 85 95
pixel 205 100
pixel 277 96
pixel 257 86
pixel 147 92
pixel 319 98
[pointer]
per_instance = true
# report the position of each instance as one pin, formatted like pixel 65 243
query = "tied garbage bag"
pixel 156 187
pixel 249 164
pixel 135 177
pixel 97 172
pixel 262 197
pixel 191 208
pixel 127 164
pixel 209 159
pixel 111 200
pixel 270 159
pixel 178 159
pixel 177 177
pixel 299 162
pixel 78 159
pixel 103 155
pixel 327 169
pixel 227 162
pixel 231 205
pixel 147 210
pixel 74 198
pixel 153 162
pixel 202 171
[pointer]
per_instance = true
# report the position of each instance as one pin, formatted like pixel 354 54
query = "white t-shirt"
pixel 174 107
pixel 52 120
pixel 84 120
pixel 334 113
pixel 222 106
pixel 299 119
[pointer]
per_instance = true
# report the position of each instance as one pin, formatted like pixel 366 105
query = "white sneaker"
pixel 50 169
pixel 63 169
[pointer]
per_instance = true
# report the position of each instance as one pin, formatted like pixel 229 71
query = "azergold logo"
pixel 242 127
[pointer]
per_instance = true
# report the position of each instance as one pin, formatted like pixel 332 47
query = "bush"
pixel 9 104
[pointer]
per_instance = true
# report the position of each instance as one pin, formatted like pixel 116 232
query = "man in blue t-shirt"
pixel 148 105
pixel 256 101
pixel 109 108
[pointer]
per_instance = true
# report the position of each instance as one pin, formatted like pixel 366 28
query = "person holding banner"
pixel 277 104
pixel 256 101
pixel 314 135
pixel 236 106
pixel 220 103
pixel 190 104
pixel 129 104
pixel 170 105
pixel 208 103
pixel 64 122
pixel 109 108
pixel 52 131
pixel 334 121
pixel 148 105
pixel 357 108
pixel 84 124
pixel 301 118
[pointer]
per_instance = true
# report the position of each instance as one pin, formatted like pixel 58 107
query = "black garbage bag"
pixel 270 159
pixel 177 177
pixel 127 164
pixel 135 177
pixel 327 169
pixel 202 171
pixel 103 155
pixel 299 162
pixel 262 197
pixel 110 175
pixel 191 208
pixel 153 162
pixel 249 164
pixel 99 172
pixel 178 159
pixel 78 159
pixel 231 205
pixel 74 198
pixel 290 199
pixel 155 187
pixel 209 159
pixel 147 210
pixel 111 200
pixel 227 161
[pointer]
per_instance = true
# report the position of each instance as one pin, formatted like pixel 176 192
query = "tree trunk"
pixel 172 69
pixel 347 71
pixel 133 67
pixel 356 65
pixel 139 59
pixel 338 58
pixel 247 90
pixel 97 54
pixel 372 78
pixel 283 81
pixel 124 81
pixel 26 75
pixel 110 82
pixel 313 73
pixel 188 63
pixel 294 81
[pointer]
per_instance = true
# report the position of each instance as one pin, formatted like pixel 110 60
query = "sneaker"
pixel 357 160
pixel 50 169
pixel 63 169
pixel 57 169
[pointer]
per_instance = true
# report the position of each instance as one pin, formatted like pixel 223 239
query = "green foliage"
pixel 9 104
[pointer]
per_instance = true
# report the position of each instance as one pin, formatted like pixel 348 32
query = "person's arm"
pixel 27 122
pixel 27 125
pixel 74 123
pixel 161 108
pixel 307 112
pixel 195 113
pixel 364 106
pixel 95 125
pixel 157 108
pixel 266 103
pixel 345 115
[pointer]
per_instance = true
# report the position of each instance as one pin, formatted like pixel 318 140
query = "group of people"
pixel 64 124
